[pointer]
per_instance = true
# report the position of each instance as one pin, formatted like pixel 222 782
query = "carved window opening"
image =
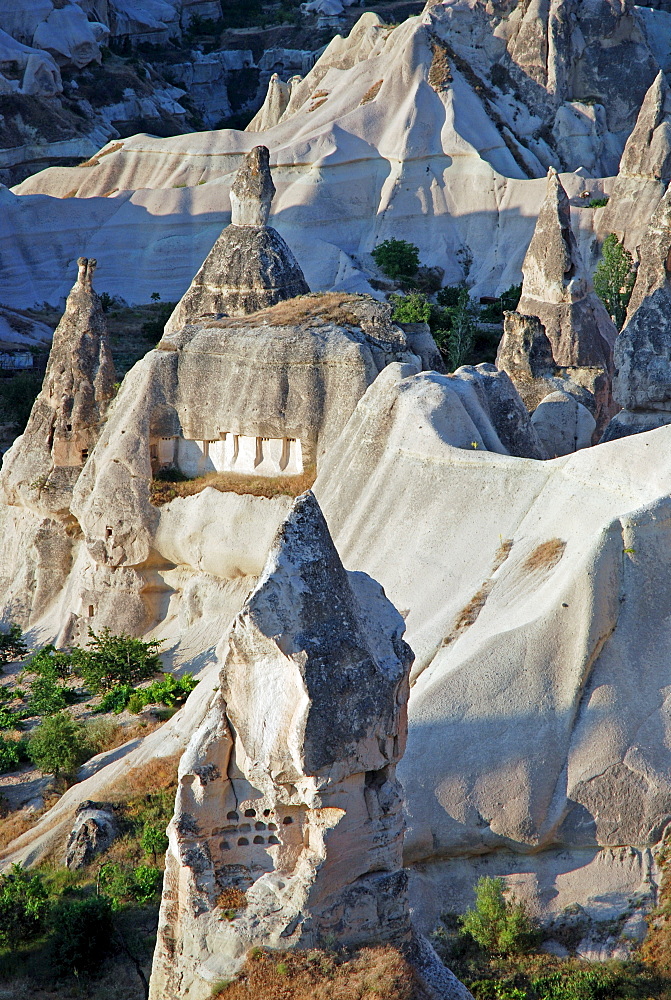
pixel 91 611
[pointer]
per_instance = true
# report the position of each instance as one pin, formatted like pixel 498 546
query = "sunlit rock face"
pixel 288 817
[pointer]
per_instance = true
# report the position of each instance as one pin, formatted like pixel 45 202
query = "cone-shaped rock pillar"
pixel 558 290
pixel 43 465
pixel 250 267
pixel 288 817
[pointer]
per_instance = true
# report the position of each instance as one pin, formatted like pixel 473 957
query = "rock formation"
pixel 563 424
pixel 642 383
pixel 288 817
pixel 250 267
pixel 94 830
pixel 645 169
pixel 525 353
pixel 42 468
pixel 557 289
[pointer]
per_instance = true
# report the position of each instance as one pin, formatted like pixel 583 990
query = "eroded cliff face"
pixel 288 814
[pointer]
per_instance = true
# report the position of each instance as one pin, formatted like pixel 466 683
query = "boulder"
pixel 70 37
pixel 95 829
pixel 250 266
pixel 562 424
pixel 288 822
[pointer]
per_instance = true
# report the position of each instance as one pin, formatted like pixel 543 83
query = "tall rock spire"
pixel 642 383
pixel 558 290
pixel 43 465
pixel 250 267
pixel 288 813
pixel 645 168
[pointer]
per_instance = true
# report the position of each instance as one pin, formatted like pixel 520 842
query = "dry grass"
pixel 71 194
pixel 95 160
pixel 545 556
pixel 380 971
pixel 163 492
pixel 439 73
pixel 318 104
pixel 158 773
pixel 468 615
pixel 316 309
pixel 371 93
pixel 319 93
pixel 502 553
pixel 231 900
pixel 17 823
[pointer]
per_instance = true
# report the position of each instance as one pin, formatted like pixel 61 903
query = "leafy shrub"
pixel 614 278
pixel 507 301
pixel 24 901
pixel 153 840
pixel 493 989
pixel 82 934
pixel 13 753
pixel 59 744
pixel 501 926
pixel 456 341
pixel 397 258
pixel 116 699
pixel 47 696
pixel 578 984
pixel 12 646
pixel 449 295
pixel 50 662
pixel 597 203
pixel 124 884
pixel 411 308
pixel 115 659
pixel 170 691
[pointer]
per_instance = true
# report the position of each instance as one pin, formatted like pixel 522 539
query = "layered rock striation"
pixel 288 813
pixel 250 267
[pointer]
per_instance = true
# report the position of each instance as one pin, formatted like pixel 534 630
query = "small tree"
pixel 153 840
pixel 12 646
pixel 83 934
pixel 397 258
pixel 456 341
pixel 411 308
pixel 50 662
pixel 23 905
pixel 116 659
pixel 614 278
pixel 47 696
pixel 501 926
pixel 59 744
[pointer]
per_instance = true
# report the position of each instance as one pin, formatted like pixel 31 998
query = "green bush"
pixel 614 278
pixel 170 691
pixel 411 308
pixel 13 753
pixel 577 984
pixel 449 295
pixel 24 902
pixel 59 744
pixel 47 696
pixel 493 989
pixel 507 301
pixel 50 662
pixel 12 646
pixel 501 926
pixel 597 203
pixel 82 934
pixel 124 884
pixel 115 659
pixel 153 840
pixel 397 258
pixel 457 339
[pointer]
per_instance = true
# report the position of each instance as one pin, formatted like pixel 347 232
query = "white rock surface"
pixel 398 143
pixel 562 424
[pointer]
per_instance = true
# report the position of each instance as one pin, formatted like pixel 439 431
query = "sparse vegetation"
pixel 597 202
pixel 500 925
pixel 398 259
pixel 17 395
pixel 12 646
pixel 411 308
pixel 614 278
pixel 111 659
pixel 163 491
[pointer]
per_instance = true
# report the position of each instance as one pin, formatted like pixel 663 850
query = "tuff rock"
pixel 288 816
pixel 94 830
pixel 642 383
pixel 250 267
pixel 562 424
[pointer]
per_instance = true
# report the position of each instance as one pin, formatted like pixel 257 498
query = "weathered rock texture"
pixel 288 812
pixel 642 383
pixel 250 267
pixel 94 830
pixel 525 353
pixel 40 470
pixel 645 169
pixel 562 424
pixel 558 291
